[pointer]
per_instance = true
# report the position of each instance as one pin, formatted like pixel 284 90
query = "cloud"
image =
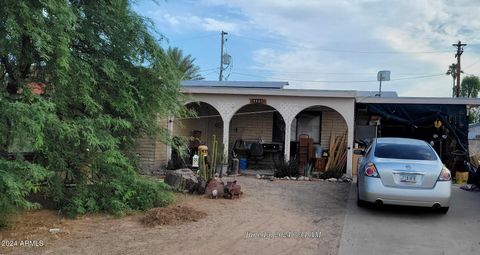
pixel 344 40
pixel 186 22
pixel 210 24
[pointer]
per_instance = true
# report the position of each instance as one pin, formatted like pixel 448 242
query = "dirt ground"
pixel 270 218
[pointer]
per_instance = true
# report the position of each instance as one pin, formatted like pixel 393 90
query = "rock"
pixel 258 176
pixel 263 176
pixel 286 178
pixel 332 179
pixel 301 178
pixel 202 184
pixel 232 190
pixel 214 193
pixel 215 184
pixel 54 230
pixel 272 178
pixel 182 179
pixel 307 178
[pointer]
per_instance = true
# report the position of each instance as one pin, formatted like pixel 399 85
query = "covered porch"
pixel 269 125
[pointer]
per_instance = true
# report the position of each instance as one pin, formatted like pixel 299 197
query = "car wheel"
pixel 443 210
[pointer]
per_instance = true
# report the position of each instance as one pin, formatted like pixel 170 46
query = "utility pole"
pixel 459 46
pixel 220 77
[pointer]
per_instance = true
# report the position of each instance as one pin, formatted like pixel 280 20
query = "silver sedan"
pixel 403 171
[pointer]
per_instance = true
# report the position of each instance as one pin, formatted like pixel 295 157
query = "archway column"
pixel 288 137
pixel 351 126
pixel 227 115
pixel 226 138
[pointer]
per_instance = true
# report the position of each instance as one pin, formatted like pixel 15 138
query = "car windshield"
pixel 404 151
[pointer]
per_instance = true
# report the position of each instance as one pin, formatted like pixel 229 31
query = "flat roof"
pixel 266 88
pixel 419 100
pixel 270 92
pixel 236 84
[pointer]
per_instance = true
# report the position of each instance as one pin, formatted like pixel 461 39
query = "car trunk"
pixel 403 173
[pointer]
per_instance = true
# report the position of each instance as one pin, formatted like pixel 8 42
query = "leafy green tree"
pixel 470 86
pixel 184 64
pixel 79 81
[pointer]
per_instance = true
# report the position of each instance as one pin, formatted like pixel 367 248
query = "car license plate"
pixel 407 178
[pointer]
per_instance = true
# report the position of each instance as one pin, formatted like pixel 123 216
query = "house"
pixel 288 121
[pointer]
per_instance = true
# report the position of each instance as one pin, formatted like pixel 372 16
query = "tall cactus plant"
pixel 207 171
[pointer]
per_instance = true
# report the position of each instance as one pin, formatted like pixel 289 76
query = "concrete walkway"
pixel 406 230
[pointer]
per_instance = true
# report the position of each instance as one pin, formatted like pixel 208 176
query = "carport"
pixel 443 122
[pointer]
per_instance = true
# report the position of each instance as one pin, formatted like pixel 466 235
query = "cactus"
pixel 202 167
pixel 213 161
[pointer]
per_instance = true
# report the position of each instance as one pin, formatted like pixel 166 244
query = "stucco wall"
pixel 209 126
pixel 152 152
pixel 251 127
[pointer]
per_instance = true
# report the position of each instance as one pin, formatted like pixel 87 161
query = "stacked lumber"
pixel 475 160
pixel 338 152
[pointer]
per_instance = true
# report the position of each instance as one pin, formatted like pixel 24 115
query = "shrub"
pixel 123 190
pixel 335 172
pixel 16 185
pixel 284 168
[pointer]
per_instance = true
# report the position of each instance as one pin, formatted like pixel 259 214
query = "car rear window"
pixel 404 151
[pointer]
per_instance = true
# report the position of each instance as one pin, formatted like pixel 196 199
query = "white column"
pixel 170 134
pixel 226 136
pixel 351 127
pixel 288 131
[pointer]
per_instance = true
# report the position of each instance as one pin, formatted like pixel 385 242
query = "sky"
pixel 317 44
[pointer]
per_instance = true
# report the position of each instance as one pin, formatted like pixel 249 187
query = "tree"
pixel 452 71
pixel 184 64
pixel 470 86
pixel 79 81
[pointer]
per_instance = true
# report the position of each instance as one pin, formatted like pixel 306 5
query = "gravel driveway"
pixel 259 222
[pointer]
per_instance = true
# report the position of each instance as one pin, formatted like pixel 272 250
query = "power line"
pixel 340 81
pixel 474 63
pixel 326 73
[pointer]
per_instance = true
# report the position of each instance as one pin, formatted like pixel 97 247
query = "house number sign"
pixel 258 101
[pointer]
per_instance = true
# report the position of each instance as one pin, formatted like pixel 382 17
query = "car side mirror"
pixel 359 152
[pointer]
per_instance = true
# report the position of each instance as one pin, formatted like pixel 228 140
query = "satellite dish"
pixel 383 76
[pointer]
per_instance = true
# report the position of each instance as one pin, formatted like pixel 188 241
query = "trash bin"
pixel 243 164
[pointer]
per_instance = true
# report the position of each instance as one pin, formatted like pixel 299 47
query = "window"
pixel 404 151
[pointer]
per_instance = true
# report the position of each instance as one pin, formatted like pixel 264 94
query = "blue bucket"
pixel 243 164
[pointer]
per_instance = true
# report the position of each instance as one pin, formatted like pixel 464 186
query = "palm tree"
pixel 184 64
pixel 452 71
